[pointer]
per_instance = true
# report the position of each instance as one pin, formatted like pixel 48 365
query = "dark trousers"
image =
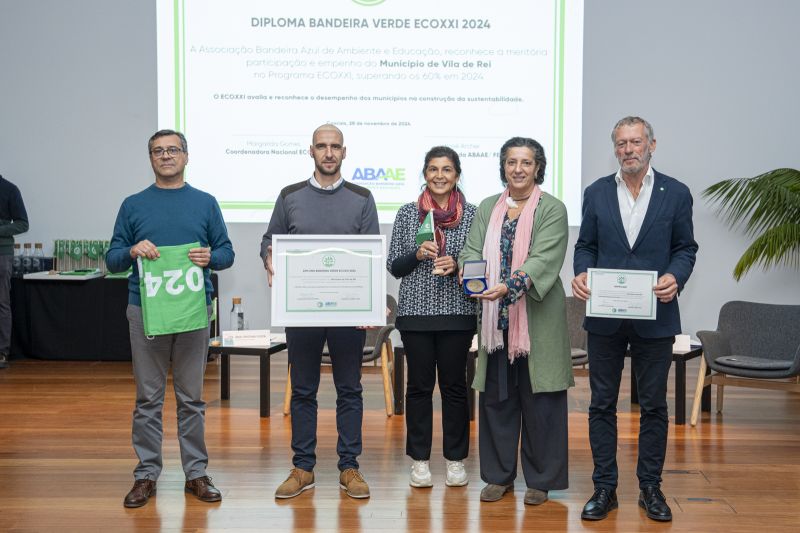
pixel 346 346
pixel 6 265
pixel 651 359
pixel 429 353
pixel 540 417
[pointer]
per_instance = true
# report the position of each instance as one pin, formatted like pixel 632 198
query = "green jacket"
pixel 549 359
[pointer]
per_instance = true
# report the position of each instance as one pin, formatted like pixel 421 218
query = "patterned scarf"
pixel 442 218
pixel 518 339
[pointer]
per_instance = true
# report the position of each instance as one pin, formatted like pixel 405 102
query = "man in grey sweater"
pixel 324 204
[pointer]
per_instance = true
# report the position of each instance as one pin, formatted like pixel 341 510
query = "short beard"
pixel 642 166
pixel 324 172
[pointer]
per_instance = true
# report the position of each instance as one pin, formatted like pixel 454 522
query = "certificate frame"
pixel 618 293
pixel 328 280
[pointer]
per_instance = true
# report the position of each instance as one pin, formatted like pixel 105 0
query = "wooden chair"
pixel 755 345
pixel 576 311
pixel 378 347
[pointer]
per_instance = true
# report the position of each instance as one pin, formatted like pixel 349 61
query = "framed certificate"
pixel 329 280
pixel 622 293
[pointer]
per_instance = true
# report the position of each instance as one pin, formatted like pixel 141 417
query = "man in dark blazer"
pixel 636 219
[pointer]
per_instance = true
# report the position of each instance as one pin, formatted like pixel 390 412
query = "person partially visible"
pixel 13 221
pixel 324 204
pixel 634 219
pixel 169 212
pixel 524 361
pixel 435 318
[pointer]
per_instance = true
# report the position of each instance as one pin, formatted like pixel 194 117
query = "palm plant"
pixel 768 206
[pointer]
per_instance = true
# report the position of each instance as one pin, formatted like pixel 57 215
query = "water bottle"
pixel 37 260
pixel 27 259
pixel 237 315
pixel 16 268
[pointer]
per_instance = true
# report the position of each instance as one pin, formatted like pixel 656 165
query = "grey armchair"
pixel 377 347
pixel 755 345
pixel 576 311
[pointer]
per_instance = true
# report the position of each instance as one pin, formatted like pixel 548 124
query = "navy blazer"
pixel 665 244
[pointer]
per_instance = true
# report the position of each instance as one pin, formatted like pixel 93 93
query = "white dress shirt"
pixel 633 210
pixel 315 183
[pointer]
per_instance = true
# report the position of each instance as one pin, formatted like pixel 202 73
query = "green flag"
pixel 425 231
pixel 75 250
pixel 94 249
pixel 173 292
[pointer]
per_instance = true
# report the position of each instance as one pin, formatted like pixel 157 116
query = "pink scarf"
pixel 518 339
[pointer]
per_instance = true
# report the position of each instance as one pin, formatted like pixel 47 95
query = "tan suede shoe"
pixel 353 484
pixel 298 481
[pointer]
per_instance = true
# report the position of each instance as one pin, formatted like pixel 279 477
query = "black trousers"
pixel 651 359
pixel 541 418
pixel 346 346
pixel 429 353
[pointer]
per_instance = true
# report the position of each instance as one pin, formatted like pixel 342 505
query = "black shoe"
pixel 652 500
pixel 3 360
pixel 602 501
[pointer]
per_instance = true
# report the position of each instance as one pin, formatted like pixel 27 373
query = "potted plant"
pixel 768 205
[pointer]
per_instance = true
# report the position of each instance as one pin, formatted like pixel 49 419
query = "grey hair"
pixel 167 133
pixel 630 121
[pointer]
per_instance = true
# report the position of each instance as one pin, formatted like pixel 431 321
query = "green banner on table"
pixel 173 292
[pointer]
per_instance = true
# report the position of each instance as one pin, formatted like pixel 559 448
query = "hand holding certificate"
pixel 328 280
pixel 622 293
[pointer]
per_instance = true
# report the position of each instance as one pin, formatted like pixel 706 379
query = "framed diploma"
pixel 622 293
pixel 328 280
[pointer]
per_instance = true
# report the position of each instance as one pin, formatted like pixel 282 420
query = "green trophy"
pixel 427 232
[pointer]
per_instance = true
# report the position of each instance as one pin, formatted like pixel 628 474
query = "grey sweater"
pixel 306 210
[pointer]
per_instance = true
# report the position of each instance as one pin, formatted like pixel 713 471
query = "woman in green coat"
pixel 524 364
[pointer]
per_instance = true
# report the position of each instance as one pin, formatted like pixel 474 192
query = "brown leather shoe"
pixel 203 489
pixel 140 493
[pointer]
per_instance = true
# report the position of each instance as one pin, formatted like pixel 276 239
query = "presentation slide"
pixel 248 81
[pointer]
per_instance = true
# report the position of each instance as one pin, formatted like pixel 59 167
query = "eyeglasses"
pixel 172 151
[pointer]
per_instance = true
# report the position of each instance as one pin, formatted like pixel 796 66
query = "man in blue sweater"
pixel 169 212
pixel 324 204
pixel 13 221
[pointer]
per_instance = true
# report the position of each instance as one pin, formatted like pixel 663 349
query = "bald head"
pixel 327 128
pixel 328 151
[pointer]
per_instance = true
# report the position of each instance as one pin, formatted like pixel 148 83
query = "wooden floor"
pixel 66 462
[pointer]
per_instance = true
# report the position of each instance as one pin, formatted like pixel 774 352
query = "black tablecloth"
pixel 71 320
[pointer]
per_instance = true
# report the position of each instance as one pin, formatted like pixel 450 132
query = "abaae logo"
pixel 387 174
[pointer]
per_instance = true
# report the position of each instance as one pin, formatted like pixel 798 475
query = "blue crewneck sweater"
pixel 169 217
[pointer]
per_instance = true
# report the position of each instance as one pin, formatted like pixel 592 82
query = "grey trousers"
pixel 6 264
pixel 187 352
pixel 541 419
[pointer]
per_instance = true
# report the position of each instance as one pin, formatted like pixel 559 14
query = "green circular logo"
pixel 369 2
pixel 621 278
pixel 328 261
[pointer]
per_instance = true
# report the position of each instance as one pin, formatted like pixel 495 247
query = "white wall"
pixel 718 79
